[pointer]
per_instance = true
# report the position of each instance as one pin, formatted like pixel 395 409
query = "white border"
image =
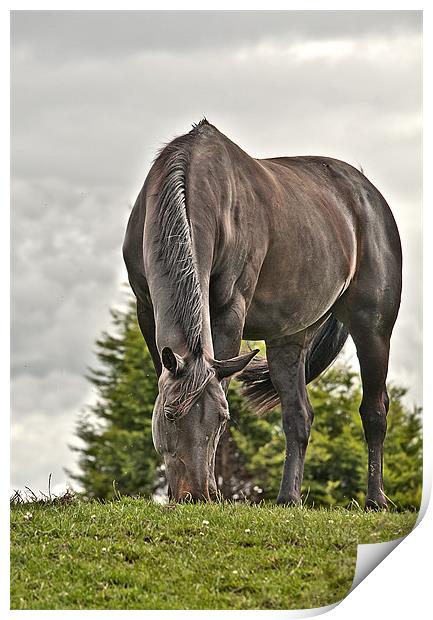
pixel 399 586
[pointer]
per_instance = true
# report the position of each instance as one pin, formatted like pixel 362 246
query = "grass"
pixel 135 554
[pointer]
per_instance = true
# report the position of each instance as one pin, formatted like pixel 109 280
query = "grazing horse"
pixel 296 251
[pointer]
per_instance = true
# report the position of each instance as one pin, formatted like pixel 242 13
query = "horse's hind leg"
pixel 371 335
pixel 373 355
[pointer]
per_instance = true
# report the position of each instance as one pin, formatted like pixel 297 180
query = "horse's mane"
pixel 175 252
pixel 175 249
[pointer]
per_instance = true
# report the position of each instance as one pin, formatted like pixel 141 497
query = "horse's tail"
pixel 323 349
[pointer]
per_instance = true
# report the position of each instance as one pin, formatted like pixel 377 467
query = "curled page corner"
pixel 305 613
pixel 316 611
pixel 371 555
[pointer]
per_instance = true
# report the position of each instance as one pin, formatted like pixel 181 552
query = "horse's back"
pixel 350 187
pixel 305 225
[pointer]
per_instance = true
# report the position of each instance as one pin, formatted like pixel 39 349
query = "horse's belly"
pixel 292 305
pixel 305 271
pixel 270 320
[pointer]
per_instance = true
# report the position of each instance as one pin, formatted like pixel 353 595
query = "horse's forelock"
pixel 188 387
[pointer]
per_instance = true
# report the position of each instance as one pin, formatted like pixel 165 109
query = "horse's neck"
pixel 169 330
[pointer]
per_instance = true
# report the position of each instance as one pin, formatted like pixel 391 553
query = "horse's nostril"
pixel 191 493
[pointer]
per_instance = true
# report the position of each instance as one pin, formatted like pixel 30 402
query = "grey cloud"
pixel 66 260
pixel 39 448
pixel 64 35
pixel 52 394
pixel 105 120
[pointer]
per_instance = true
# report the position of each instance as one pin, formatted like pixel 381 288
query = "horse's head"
pixel 189 416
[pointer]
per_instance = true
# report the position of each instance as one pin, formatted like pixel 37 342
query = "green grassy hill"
pixel 135 554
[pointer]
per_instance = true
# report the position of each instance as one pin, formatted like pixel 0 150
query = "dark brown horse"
pixel 296 251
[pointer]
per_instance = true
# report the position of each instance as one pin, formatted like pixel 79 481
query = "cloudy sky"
pixel 94 94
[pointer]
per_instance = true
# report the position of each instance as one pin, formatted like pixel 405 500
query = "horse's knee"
pixel 385 399
pixel 373 416
pixel 297 425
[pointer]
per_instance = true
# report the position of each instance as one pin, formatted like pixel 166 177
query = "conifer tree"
pixel 116 431
pixel 117 450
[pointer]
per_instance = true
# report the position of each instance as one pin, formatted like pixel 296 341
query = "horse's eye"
pixel 170 413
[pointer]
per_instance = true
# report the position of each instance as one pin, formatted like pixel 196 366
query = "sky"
pixel 95 94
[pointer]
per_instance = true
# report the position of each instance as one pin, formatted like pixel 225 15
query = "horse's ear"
pixel 171 361
pixel 227 368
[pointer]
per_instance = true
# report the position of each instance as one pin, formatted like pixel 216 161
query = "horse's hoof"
pixel 289 500
pixel 376 503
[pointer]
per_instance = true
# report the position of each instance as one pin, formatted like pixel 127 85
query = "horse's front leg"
pixel 286 359
pixel 227 328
